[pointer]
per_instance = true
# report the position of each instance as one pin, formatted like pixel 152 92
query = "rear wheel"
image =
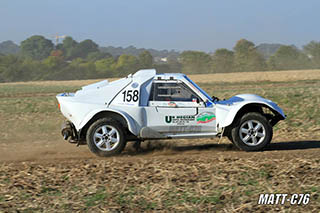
pixel 106 137
pixel 252 132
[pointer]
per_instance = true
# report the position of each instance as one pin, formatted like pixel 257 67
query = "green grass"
pixel 125 198
pixel 12 90
pixel 50 191
pixel 28 105
pixel 96 198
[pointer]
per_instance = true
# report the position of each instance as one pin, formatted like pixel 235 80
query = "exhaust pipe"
pixel 65 136
pixel 68 132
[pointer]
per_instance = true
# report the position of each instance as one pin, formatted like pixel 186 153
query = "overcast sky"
pixel 164 24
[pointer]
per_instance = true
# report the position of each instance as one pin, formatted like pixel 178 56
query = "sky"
pixel 204 25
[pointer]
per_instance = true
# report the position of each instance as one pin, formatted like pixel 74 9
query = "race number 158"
pixel 130 95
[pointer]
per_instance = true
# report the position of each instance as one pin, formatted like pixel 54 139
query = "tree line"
pixel 39 59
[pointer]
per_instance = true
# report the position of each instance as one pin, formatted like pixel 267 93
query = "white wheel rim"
pixel 252 132
pixel 106 138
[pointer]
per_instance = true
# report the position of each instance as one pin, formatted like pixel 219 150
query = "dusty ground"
pixel 185 176
pixel 39 172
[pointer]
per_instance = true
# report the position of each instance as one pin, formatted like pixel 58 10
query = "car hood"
pixel 242 97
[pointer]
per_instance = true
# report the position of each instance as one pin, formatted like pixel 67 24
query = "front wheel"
pixel 252 132
pixel 105 137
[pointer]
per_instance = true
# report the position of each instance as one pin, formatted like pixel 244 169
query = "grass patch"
pixel 32 210
pixel 50 191
pixel 125 198
pixel 14 90
pixel 97 198
pixel 6 180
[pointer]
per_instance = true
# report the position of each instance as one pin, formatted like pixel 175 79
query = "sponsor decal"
pixel 179 120
pixel 205 117
pixel 173 128
pixel 173 104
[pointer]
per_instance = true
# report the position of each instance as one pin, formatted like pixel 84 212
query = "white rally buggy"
pixel 147 106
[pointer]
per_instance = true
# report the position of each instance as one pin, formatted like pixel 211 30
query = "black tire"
pixel 252 132
pixel 230 138
pixel 101 126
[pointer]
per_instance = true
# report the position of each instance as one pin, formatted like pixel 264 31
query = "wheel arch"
pixel 272 115
pixel 124 119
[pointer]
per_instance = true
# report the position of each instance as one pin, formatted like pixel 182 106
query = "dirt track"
pixel 41 151
pixel 193 176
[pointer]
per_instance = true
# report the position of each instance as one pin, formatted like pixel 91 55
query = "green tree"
pixel 94 56
pixel 32 70
pixel 145 60
pixel 68 44
pixel 223 61
pixel 8 47
pixel 9 68
pixel 247 58
pixel 36 47
pixel 82 49
pixel 287 58
pixel 53 62
pixel 82 69
pixel 104 67
pixel 195 62
pixel 312 49
pixel 126 64
pixel 14 68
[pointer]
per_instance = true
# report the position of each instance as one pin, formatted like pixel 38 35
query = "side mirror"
pixel 214 98
pixel 197 100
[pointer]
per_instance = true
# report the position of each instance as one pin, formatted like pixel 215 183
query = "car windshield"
pixel 201 90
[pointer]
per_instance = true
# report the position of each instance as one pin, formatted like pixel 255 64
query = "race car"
pixel 146 106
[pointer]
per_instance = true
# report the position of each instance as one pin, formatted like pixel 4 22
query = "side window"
pixel 162 91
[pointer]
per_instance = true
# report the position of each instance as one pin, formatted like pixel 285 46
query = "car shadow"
pixel 276 146
pixel 204 147
pixel 293 145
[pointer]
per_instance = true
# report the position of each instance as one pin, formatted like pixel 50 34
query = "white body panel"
pixel 131 98
pixel 81 106
pixel 227 109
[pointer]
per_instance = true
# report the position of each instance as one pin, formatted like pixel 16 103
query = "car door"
pixel 174 108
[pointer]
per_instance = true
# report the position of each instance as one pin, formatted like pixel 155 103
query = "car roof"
pixel 169 76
